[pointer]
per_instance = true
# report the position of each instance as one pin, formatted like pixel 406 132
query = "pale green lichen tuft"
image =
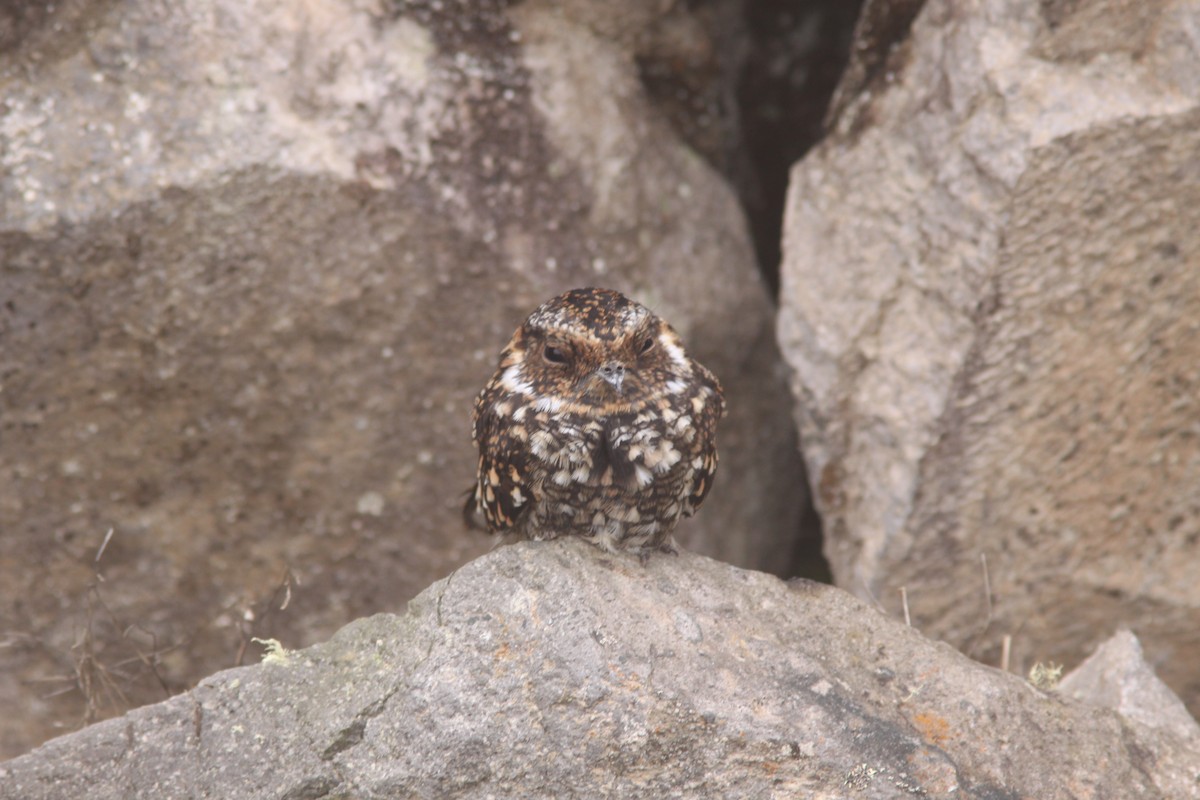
pixel 1045 676
pixel 276 653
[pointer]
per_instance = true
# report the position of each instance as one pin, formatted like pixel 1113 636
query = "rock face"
pixel 1116 676
pixel 992 310
pixel 255 261
pixel 548 669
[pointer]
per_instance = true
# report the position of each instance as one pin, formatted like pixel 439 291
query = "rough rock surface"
pixel 991 306
pixel 551 670
pixel 255 261
pixel 1117 676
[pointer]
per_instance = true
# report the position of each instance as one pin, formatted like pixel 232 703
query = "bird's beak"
pixel 613 373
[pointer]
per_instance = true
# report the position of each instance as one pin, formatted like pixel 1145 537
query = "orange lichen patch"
pixel 626 678
pixel 934 729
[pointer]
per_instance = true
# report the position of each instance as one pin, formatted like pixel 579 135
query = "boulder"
pixel 991 308
pixel 549 669
pixel 257 260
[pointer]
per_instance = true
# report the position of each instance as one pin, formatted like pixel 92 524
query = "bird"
pixel 596 424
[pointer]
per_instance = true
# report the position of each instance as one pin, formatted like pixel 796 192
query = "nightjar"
pixel 596 424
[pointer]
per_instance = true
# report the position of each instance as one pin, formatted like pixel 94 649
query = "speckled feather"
pixel 596 424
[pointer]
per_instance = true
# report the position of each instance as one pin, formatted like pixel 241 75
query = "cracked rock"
pixel 992 310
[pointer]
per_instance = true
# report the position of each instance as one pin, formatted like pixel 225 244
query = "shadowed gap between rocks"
pixel 751 94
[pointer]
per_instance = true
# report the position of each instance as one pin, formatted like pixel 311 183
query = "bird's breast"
pixel 629 451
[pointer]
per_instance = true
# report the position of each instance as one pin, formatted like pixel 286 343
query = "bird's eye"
pixel 647 345
pixel 554 355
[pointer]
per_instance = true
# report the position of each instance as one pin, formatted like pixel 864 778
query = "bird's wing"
pixel 501 488
pixel 712 408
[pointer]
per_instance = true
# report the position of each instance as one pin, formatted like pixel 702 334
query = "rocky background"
pixel 257 258
pixel 991 301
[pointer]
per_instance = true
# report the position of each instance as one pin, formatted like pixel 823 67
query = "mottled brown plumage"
pixel 596 424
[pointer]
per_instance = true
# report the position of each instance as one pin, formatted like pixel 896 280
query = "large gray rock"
pixel 991 305
pixel 552 670
pixel 256 259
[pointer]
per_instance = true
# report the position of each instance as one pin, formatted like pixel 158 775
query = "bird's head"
pixel 593 351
